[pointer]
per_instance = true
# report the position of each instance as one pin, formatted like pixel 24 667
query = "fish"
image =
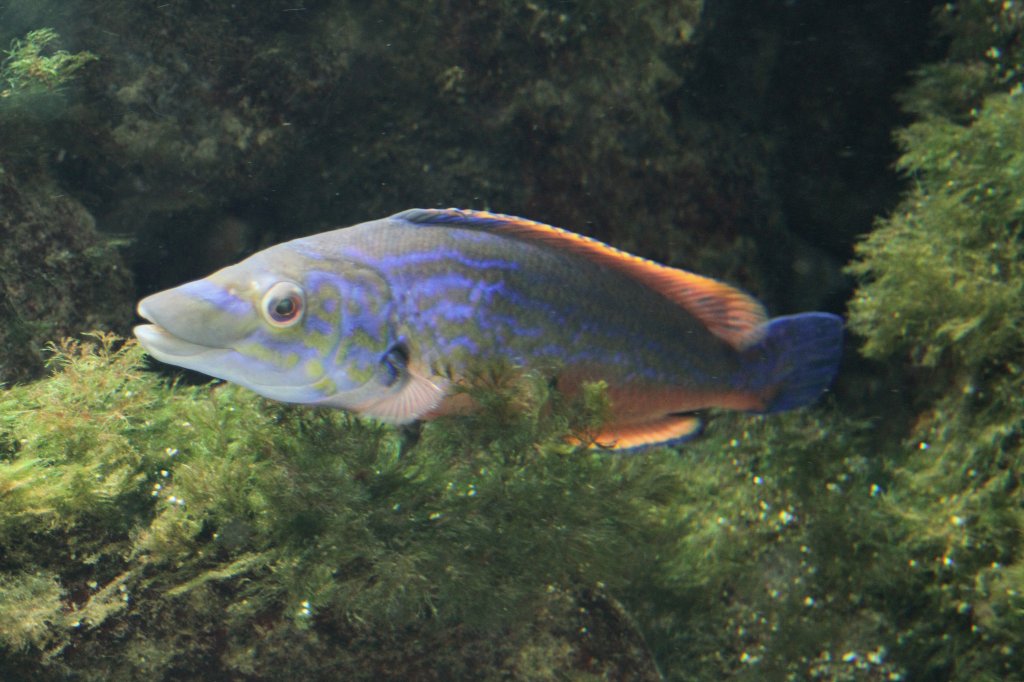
pixel 385 318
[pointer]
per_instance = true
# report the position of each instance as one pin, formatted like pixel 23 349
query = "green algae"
pixel 34 80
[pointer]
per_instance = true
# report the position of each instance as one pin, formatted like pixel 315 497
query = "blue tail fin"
pixel 798 357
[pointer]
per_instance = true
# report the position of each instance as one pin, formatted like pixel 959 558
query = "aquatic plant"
pixel 943 273
pixel 203 531
pixel 942 284
pixel 32 62
pixel 235 531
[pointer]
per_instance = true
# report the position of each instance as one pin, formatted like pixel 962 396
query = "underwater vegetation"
pixel 180 531
pixel 202 532
pixel 32 62
pixel 197 531
pixel 942 284
pixel 34 79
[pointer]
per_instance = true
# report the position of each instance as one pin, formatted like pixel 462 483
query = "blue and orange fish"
pixel 382 318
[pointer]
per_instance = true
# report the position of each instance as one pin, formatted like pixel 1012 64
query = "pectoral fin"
pixel 411 393
pixel 418 396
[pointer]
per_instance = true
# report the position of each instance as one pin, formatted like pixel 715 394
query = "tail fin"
pixel 798 357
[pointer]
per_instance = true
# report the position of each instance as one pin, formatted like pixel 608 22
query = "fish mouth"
pixel 162 344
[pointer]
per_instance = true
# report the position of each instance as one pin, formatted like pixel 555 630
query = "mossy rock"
pixel 58 274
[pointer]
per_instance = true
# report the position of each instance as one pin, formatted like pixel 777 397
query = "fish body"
pixel 381 318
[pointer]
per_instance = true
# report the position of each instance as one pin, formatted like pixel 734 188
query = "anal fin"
pixel 668 430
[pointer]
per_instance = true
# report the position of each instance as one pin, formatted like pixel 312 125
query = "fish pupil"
pixel 285 308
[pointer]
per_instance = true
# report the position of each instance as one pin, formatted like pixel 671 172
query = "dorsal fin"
pixel 727 312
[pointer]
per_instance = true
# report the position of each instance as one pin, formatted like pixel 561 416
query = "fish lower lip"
pixel 160 343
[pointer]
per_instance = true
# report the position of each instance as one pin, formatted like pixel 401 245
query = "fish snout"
pixel 198 314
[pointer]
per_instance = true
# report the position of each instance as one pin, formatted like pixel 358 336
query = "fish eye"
pixel 283 303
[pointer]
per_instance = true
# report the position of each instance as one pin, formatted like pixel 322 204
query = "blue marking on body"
pixel 514 325
pixel 369 325
pixel 270 342
pixel 316 280
pixel 454 312
pixel 363 361
pixel 318 325
pixel 463 342
pixel 209 292
pixel 391 262
pixel 454 297
pixel 564 310
pixel 485 291
pixel 443 283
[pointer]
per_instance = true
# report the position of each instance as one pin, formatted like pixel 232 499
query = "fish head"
pixel 286 324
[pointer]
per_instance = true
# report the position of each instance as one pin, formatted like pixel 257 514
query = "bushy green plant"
pixel 197 511
pixel 203 531
pixel 942 282
pixel 944 273
pixel 32 78
pixel 32 62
